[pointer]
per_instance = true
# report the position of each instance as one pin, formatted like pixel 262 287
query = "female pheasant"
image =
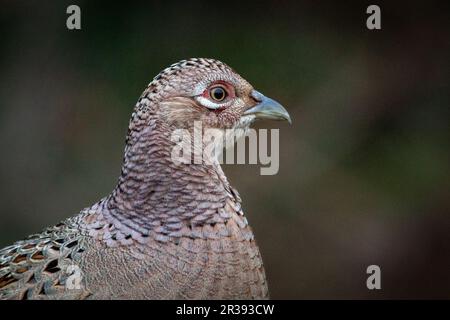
pixel 168 230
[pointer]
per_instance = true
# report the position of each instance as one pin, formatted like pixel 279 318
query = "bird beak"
pixel 267 108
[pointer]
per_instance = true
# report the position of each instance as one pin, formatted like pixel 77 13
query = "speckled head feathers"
pixel 181 94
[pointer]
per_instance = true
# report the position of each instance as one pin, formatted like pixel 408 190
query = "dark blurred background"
pixel 364 169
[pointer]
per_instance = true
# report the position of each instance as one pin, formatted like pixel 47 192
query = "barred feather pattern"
pixel 166 231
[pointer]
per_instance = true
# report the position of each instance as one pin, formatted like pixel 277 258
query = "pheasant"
pixel 167 230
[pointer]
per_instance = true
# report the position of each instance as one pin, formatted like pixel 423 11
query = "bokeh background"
pixel 364 169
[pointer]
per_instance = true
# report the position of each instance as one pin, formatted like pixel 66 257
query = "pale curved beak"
pixel 267 108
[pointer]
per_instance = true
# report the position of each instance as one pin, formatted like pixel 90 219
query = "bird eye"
pixel 218 93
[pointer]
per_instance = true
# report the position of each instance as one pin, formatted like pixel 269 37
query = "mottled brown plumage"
pixel 167 230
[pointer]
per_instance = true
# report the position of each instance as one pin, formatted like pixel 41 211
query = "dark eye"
pixel 218 93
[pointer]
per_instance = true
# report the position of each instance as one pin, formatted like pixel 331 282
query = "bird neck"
pixel 156 194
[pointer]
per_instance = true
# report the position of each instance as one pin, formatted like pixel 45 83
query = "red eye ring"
pixel 214 92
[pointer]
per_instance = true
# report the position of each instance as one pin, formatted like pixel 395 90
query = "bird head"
pixel 209 91
pixel 152 180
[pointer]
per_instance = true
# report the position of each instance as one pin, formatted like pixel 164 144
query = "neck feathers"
pixel 154 194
